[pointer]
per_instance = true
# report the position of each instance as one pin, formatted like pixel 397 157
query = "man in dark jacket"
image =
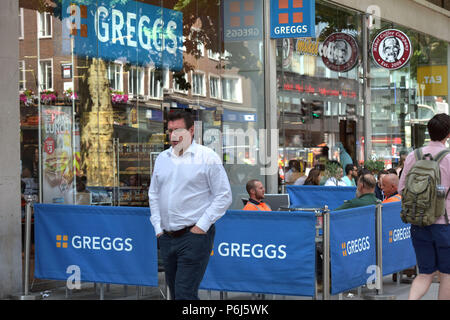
pixel 365 193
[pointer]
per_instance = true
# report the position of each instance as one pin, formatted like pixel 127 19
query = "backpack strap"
pixel 418 154
pixel 441 155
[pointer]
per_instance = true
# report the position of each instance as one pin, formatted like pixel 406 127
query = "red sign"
pixel 391 49
pixel 340 52
pixel 49 145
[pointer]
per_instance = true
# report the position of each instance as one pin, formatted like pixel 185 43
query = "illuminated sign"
pixel 434 78
pixel 292 18
pixel 133 32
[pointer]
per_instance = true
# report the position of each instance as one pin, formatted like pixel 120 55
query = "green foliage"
pixel 374 166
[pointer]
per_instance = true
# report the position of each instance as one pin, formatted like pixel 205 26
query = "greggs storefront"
pixel 97 80
pixel 266 81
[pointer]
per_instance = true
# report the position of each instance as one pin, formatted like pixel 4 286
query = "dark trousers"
pixel 185 259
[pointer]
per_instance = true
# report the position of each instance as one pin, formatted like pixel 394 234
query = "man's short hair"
pixel 368 181
pixel 251 185
pixel 186 116
pixel 439 127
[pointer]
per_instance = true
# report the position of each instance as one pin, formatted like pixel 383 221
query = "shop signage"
pixel 391 49
pixel 292 19
pixel 58 169
pixel 130 31
pixel 435 80
pixel 242 20
pixel 339 52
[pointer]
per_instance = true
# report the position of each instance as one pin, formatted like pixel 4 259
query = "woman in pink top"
pixel 432 243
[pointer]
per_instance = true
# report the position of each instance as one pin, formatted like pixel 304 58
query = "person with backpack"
pixel 424 186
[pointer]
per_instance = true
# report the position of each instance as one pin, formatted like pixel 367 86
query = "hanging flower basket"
pixel 70 95
pixel 118 97
pixel 48 96
pixel 27 97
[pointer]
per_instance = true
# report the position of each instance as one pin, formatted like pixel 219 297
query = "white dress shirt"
pixel 192 189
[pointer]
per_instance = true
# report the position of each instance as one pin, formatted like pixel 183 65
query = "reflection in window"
pixel 198 81
pixel 115 76
pixel 231 89
pixel 135 81
pixel 214 87
pixel 45 24
pixel 155 86
pixel 46 75
pixel 22 81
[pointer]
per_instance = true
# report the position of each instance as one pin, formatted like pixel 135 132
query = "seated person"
pixel 389 185
pixel 256 191
pixel 365 193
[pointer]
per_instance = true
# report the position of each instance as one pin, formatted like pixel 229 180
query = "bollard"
pixel 326 254
pixel 379 248
pixel 26 292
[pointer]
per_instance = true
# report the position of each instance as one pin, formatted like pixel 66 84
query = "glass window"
pixel 22 78
pixel 46 74
pixel 115 76
pixel 231 89
pixel 198 84
pixel 214 86
pixel 136 81
pixel 20 23
pixel 155 84
pixel 45 24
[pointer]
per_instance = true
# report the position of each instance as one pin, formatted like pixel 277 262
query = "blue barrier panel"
pixel 263 252
pixel 398 251
pixel 108 244
pixel 352 247
pixel 319 196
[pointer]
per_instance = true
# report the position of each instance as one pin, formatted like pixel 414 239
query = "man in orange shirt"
pixel 256 192
pixel 389 185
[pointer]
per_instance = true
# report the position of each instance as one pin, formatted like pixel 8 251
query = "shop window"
pixel 136 81
pixel 231 89
pixel 198 84
pixel 214 87
pixel 45 25
pixel 115 76
pixel 46 74
pixel 22 79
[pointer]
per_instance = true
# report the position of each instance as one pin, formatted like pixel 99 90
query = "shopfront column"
pixel 10 213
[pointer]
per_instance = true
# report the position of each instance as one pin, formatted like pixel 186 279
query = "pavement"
pixel 56 290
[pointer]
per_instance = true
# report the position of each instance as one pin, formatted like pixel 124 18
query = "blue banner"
pixel 292 18
pixel 263 252
pixel 319 196
pixel 242 20
pixel 105 244
pixel 398 251
pixel 129 31
pixel 352 247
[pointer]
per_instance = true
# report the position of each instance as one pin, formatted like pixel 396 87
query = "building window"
pixel 176 86
pixel 115 76
pixel 214 87
pixel 22 79
pixel 198 84
pixel 213 55
pixel 45 24
pixel 21 23
pixel 157 81
pixel 231 89
pixel 136 81
pixel 46 74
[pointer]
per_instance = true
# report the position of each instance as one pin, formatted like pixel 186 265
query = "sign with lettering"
pixel 133 32
pixel 434 78
pixel 340 52
pixel 292 18
pixel 243 20
pixel 391 49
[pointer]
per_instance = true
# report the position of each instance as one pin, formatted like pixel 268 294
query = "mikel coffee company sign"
pixel 339 51
pixel 391 49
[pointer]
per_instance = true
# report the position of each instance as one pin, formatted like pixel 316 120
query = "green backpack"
pixel 422 204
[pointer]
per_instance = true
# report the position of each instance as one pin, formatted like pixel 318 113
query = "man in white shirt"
pixel 189 192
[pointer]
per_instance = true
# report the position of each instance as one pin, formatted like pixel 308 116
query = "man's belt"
pixel 178 233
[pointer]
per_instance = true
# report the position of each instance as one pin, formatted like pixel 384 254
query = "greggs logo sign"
pixel 399 234
pixel 355 246
pixel 292 18
pixel 131 31
pixel 84 242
